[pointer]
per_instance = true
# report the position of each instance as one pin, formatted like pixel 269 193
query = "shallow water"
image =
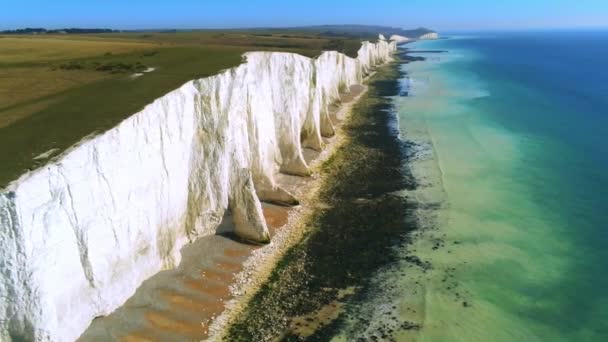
pixel 500 233
pixel 511 130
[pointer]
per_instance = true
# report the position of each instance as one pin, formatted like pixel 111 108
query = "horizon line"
pixel 415 27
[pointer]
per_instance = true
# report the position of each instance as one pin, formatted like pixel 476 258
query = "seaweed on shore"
pixel 350 237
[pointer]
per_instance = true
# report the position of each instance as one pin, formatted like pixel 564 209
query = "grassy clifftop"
pixel 57 88
pixel 360 31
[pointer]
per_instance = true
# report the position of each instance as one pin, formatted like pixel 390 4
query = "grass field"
pixel 56 89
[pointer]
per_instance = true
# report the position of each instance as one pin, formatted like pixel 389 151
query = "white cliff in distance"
pixel 80 234
pixel 401 39
pixel 429 36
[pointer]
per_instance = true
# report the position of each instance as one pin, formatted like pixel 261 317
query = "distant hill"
pixel 346 31
pixel 39 30
pixel 359 31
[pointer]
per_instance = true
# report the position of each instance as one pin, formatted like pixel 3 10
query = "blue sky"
pixel 437 14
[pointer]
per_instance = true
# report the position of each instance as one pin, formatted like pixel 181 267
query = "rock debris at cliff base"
pixel 350 236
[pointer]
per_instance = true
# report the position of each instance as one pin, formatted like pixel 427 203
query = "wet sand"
pixel 181 304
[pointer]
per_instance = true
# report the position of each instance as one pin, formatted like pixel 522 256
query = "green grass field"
pixel 57 89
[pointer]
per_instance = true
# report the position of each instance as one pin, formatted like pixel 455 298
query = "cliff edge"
pixel 80 234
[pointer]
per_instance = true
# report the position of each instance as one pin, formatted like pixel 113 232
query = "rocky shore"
pixel 349 232
pixel 219 273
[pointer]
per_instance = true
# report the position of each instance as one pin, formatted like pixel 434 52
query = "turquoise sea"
pixel 512 161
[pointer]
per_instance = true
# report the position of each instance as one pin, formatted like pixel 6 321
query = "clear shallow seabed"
pixel 512 132
pixel 516 128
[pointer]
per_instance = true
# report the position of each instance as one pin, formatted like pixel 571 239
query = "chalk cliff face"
pixel 429 36
pixel 80 234
pixel 401 39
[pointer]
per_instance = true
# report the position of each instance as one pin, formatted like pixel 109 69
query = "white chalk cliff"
pixel 80 234
pixel 401 39
pixel 429 36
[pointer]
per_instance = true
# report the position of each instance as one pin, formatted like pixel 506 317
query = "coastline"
pixel 312 287
pixel 204 151
pixel 258 267
pixel 227 283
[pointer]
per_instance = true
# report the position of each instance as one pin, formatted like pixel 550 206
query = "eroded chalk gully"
pixel 196 300
pixel 323 286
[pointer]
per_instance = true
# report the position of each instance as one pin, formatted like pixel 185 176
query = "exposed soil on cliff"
pixel 352 233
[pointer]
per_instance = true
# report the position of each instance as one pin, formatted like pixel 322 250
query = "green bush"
pixel 73 65
pixel 118 67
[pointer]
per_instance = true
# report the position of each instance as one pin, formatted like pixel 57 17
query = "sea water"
pixel 512 163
